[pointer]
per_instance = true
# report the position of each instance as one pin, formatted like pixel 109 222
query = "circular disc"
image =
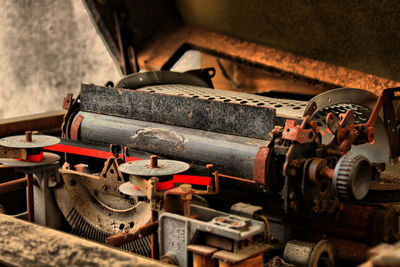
pixel 362 103
pixel 165 167
pixel 130 190
pixel 47 159
pixel 38 141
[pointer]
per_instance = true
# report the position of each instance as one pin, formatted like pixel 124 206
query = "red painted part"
pixel 33 158
pixel 85 152
pixel 183 179
pixel 161 186
pixel 192 179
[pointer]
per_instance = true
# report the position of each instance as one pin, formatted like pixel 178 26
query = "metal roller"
pixel 232 155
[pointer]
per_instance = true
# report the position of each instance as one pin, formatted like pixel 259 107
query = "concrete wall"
pixel 47 49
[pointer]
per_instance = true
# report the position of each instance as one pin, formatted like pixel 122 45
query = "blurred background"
pixel 47 49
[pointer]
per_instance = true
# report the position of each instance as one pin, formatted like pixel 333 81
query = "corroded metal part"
pixel 362 102
pixel 171 41
pixel 101 206
pixel 16 153
pixel 143 168
pixel 47 159
pixel 231 155
pixel 48 247
pixel 130 189
pixel 305 254
pixel 38 141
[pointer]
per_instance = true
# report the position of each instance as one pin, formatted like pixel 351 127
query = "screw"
pixel 28 136
pixel 96 193
pixel 154 161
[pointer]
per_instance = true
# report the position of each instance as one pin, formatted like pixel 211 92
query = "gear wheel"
pixel 352 177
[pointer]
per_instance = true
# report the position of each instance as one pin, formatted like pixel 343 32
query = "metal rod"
pixel 154 161
pixel 126 237
pixel 30 204
pixel 13 185
pixel 154 237
pixel 28 136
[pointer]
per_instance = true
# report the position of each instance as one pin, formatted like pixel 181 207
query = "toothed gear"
pixel 352 177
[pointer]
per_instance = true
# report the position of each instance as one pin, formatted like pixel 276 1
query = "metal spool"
pixel 47 159
pixel 305 254
pixel 140 171
pixel 37 141
pixel 33 145
pixel 164 168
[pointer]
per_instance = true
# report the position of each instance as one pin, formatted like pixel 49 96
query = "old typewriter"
pixel 193 162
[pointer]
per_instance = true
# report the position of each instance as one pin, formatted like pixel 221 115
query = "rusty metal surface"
pixel 29 141
pixel 361 223
pixel 143 168
pixel 75 127
pixel 156 104
pixel 41 121
pixel 8 152
pixel 189 145
pixel 260 165
pixel 13 185
pixel 169 41
pixel 30 197
pixel 132 235
pixel 47 159
pixel 362 103
pixel 143 79
pixel 49 247
pixel 97 200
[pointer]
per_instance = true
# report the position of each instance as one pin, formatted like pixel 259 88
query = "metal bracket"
pixel 296 133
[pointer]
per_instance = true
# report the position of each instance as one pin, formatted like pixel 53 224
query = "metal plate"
pixel 130 190
pixel 165 167
pixel 107 213
pixel 47 159
pixel 38 141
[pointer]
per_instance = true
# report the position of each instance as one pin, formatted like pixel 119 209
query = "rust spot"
pixel 150 139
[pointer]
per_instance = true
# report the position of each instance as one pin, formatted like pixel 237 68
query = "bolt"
pixel 72 182
pixel 154 161
pixel 105 187
pixel 96 193
pixel 185 187
pixel 28 136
